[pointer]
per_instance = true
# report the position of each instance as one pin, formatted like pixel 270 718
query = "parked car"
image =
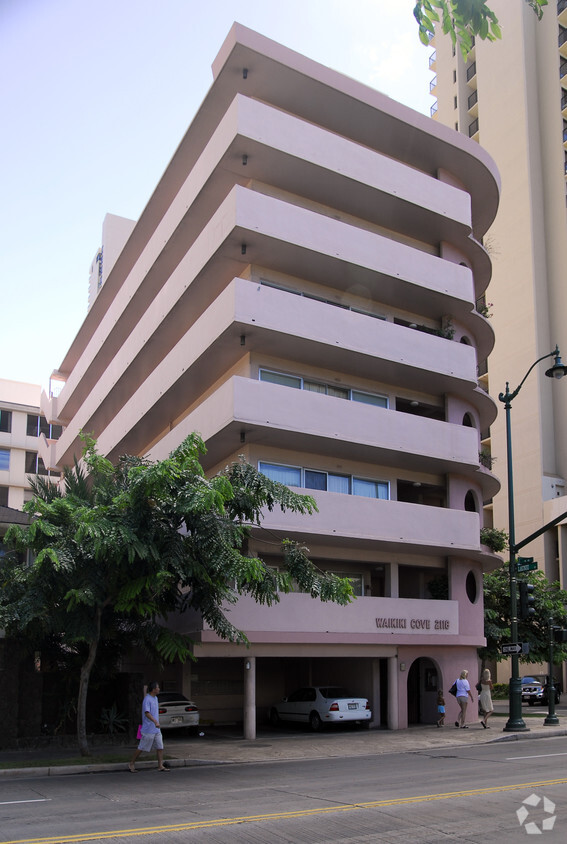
pixel 176 711
pixel 320 705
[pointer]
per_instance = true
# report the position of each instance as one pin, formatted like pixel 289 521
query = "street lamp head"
pixel 558 370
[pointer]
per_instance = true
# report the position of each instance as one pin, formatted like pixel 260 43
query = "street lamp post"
pixel 551 719
pixel 515 721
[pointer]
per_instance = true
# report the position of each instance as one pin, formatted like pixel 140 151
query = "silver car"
pixel 176 711
pixel 320 705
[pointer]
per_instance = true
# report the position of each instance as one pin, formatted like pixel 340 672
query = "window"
pixel 325 481
pixel 356 581
pixel 4 459
pixel 31 462
pixel 37 425
pixel 454 76
pixel 280 378
pixel 298 383
pixel 369 398
pixel 454 102
pixel 288 475
pixel 4 496
pixel 6 421
pixel 316 298
pixel 32 429
pixel 370 489
pixel 34 464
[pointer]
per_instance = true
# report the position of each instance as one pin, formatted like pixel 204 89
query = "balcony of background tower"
pixel 472 104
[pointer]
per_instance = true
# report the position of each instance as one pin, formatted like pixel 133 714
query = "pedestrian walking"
pixel 486 704
pixel 151 733
pixel 463 695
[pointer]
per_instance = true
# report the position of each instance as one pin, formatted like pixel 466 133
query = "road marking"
pixel 541 756
pixel 280 816
pixel 35 800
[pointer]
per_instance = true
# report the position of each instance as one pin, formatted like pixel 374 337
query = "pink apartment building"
pixel 301 289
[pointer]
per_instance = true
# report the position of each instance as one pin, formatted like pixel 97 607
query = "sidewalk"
pixel 226 746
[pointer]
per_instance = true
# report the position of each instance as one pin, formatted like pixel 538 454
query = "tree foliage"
pixel 127 545
pixel 463 20
pixel 550 602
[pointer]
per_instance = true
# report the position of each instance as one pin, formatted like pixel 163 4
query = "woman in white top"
pixel 463 695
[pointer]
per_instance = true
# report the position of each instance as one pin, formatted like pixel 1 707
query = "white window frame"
pixel 352 391
pixel 351 479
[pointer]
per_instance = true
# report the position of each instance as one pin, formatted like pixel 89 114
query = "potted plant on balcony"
pixel 496 540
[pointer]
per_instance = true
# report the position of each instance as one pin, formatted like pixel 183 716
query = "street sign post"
pixel 524 564
pixel 512 648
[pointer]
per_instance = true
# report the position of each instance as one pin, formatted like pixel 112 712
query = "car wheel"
pixel 275 719
pixel 315 722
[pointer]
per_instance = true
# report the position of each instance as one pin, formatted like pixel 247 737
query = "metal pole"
pixel 551 718
pixel 515 721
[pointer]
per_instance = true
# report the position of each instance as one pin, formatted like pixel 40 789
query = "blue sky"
pixel 95 97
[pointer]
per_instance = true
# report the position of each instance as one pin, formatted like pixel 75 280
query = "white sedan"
pixel 319 705
pixel 176 711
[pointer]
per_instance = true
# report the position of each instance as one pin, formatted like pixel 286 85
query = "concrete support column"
pixel 392 581
pixel 375 693
pixel 393 697
pixel 250 698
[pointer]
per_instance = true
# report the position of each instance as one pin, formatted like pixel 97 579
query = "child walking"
pixel 441 708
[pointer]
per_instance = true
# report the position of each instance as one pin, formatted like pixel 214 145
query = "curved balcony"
pixel 311 423
pixel 127 415
pixel 253 227
pixel 393 527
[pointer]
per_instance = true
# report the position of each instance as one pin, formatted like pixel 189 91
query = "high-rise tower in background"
pixel 511 96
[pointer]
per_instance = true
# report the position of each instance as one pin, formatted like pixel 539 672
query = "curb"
pixel 122 767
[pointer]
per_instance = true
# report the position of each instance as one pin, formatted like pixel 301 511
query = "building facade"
pixel 511 96
pixel 300 289
pixel 21 426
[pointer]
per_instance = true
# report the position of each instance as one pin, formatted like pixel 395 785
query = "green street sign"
pixel 524 564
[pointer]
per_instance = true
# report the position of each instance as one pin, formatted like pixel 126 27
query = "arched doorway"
pixel 423 681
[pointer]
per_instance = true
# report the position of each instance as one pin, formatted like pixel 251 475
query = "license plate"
pixel 176 720
pixel 353 706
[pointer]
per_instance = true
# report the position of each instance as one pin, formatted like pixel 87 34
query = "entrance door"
pixel 423 682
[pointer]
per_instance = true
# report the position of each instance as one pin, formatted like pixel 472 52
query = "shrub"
pixel 496 540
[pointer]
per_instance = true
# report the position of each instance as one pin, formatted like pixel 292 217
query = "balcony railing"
pixel 473 99
pixel 473 128
pixel 561 6
pixel 564 101
pixel 562 36
pixel 563 68
pixel 432 84
pixel 565 134
pixel 471 71
pixel 432 58
pixel 433 108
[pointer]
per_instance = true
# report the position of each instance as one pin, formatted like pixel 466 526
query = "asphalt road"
pixel 462 794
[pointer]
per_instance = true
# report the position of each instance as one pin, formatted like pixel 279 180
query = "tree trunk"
pixel 84 687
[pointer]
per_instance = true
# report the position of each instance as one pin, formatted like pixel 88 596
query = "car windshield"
pixel 334 691
pixel 529 680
